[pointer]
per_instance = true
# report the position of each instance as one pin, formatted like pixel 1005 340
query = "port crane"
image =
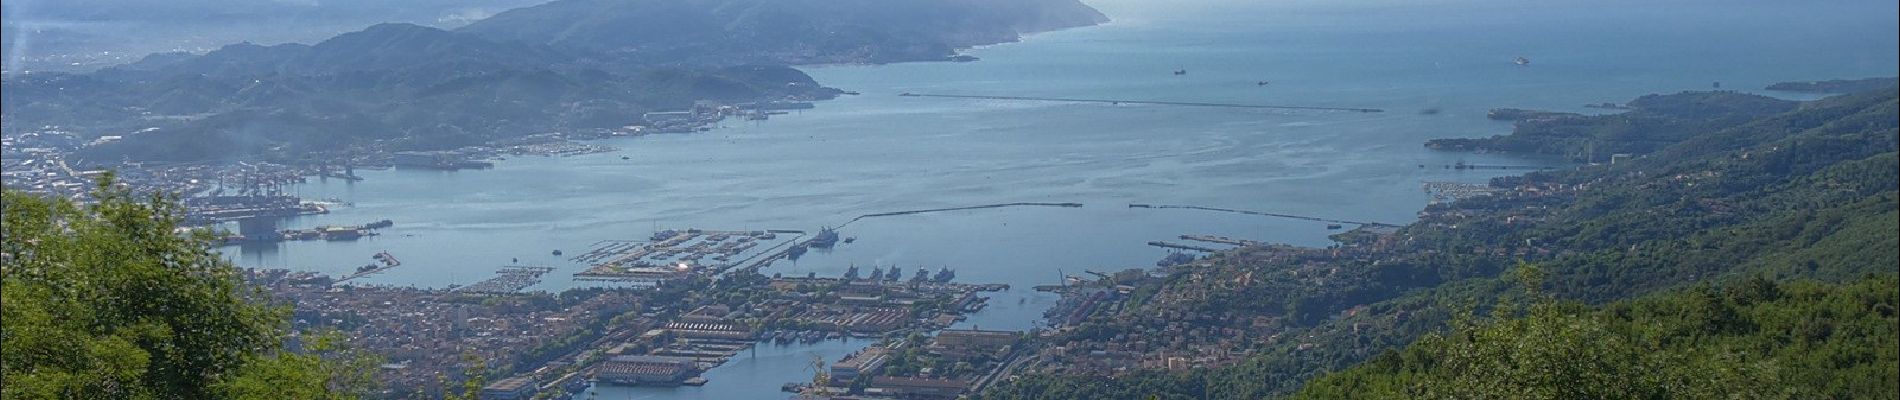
pixel 820 378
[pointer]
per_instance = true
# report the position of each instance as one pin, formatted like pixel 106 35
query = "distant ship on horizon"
pixel 1522 61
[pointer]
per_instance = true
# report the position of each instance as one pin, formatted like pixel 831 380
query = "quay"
pixel 387 261
pixel 1166 103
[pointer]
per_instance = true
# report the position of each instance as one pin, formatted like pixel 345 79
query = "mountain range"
pixel 404 86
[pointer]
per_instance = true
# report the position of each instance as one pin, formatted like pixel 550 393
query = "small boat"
pixel 1333 226
pixel 1260 83
pixel 850 93
pixel 1522 61
pixel 850 239
pixel 557 252
pixel 1180 72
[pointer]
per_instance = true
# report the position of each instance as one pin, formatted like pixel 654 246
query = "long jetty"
pixel 1173 245
pixel 1019 204
pixel 1167 103
pixel 1463 166
pixel 1300 217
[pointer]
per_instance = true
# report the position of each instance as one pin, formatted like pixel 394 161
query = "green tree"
pixel 109 301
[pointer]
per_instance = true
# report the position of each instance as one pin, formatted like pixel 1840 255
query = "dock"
pixel 384 261
pixel 1165 103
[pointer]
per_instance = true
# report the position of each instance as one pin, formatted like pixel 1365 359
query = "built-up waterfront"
pixel 664 335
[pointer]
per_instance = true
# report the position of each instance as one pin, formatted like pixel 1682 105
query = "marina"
pixel 1445 192
pixel 674 254
pixel 508 280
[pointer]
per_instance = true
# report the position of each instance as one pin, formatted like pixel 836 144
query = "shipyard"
pixel 709 300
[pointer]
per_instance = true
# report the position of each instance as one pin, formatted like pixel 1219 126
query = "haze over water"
pixel 879 152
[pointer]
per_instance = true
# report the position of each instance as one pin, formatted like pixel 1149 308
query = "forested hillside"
pixel 1753 339
pixel 1809 193
pixel 107 301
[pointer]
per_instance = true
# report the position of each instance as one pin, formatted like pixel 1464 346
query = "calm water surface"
pixel 880 152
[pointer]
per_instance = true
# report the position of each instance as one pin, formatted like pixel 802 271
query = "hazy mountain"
pixel 399 85
pixel 380 47
pixel 569 64
pixel 83 35
pixel 782 31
